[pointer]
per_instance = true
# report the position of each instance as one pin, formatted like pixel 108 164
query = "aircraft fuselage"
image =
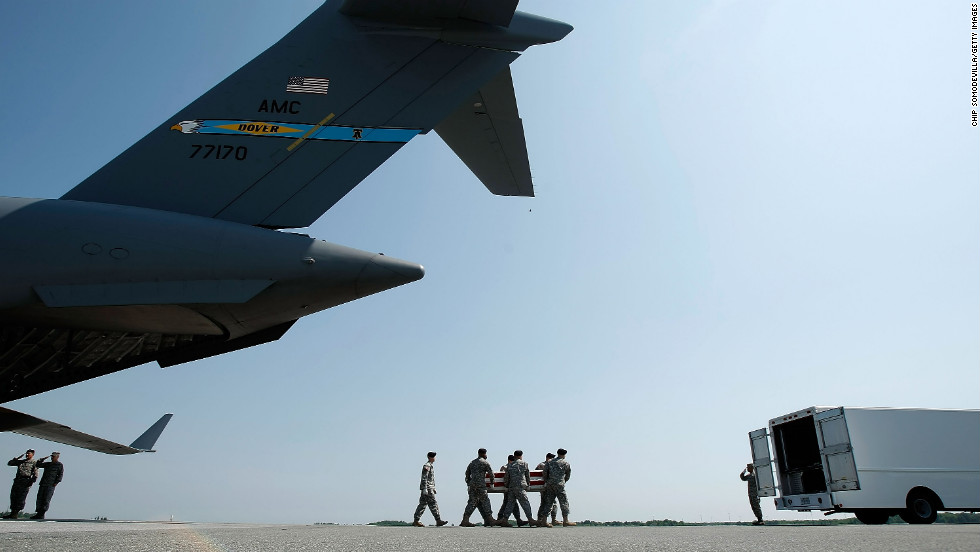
pixel 95 266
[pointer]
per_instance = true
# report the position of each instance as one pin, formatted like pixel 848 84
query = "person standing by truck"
pixel 748 475
pixel 428 493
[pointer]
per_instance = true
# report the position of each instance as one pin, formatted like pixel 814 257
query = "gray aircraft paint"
pixel 173 251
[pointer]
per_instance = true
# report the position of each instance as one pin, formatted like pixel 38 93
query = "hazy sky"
pixel 744 209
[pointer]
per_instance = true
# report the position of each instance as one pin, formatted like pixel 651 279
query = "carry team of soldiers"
pixel 517 479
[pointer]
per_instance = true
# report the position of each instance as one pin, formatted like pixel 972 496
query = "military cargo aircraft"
pixel 177 249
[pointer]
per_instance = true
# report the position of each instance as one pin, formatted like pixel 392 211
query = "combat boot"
pixel 417 523
pixel 489 522
pixel 567 523
pixel 441 522
pixel 543 522
pixel 11 515
pixel 554 519
pixel 521 523
pixel 39 515
pixel 466 522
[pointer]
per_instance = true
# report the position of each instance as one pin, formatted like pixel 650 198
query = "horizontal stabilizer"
pixel 25 424
pixel 487 134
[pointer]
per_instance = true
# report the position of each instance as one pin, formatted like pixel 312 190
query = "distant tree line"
pixel 963 517
pixel 945 517
pixel 391 523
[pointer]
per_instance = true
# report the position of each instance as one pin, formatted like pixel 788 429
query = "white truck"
pixel 873 462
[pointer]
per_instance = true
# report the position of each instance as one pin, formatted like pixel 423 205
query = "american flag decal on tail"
pixel 307 85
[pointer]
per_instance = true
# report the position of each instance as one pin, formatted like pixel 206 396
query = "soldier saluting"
pixel 53 472
pixel 25 477
pixel 748 475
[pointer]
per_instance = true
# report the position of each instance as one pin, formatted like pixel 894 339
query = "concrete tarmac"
pixel 17 536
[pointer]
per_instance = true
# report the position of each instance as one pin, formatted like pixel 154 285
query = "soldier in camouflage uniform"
pixel 428 497
pixel 554 507
pixel 476 486
pixel 517 478
pixel 503 504
pixel 748 475
pixel 556 473
pixel 54 471
pixel 25 477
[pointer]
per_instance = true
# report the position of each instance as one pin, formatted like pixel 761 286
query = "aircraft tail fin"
pixel 145 442
pixel 282 139
pixel 487 134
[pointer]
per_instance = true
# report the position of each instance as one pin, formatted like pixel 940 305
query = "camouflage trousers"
pixel 503 506
pixel 554 507
pixel 756 509
pixel 515 496
pixel 18 493
pixel 478 499
pixel 548 496
pixel 425 499
pixel 44 494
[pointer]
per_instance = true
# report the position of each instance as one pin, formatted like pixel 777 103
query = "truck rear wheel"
pixel 921 508
pixel 871 517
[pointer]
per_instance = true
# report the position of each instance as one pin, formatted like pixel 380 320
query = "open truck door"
pixel 835 448
pixel 762 462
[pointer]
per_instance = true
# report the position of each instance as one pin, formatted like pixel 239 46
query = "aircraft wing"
pixel 282 139
pixel 25 424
